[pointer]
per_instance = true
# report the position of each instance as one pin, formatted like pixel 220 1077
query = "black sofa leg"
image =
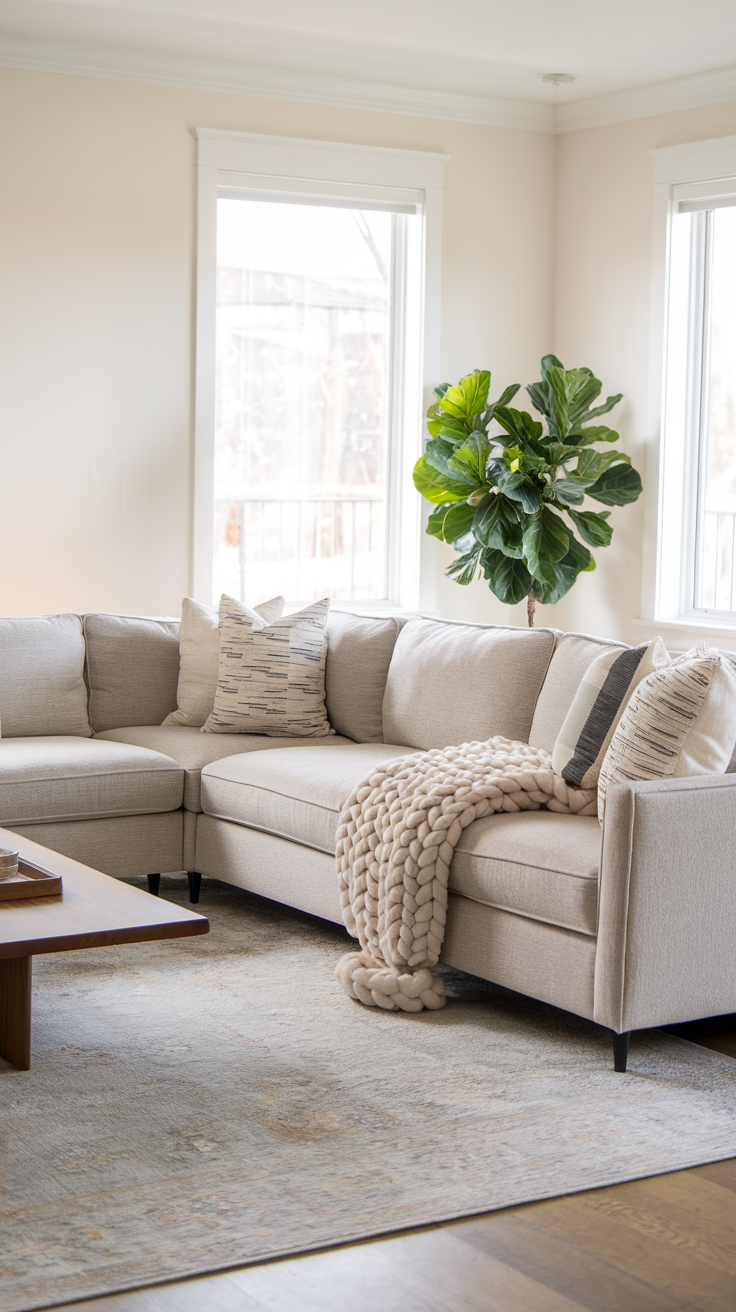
pixel 195 880
pixel 154 884
pixel 621 1051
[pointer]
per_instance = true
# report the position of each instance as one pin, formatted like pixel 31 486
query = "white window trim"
pixel 694 163
pixel 269 165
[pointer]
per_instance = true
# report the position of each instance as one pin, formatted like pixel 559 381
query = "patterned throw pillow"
pixel 199 659
pixel 271 676
pixel 680 721
pixel 597 708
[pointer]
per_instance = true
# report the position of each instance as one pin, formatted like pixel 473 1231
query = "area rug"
pixel 202 1103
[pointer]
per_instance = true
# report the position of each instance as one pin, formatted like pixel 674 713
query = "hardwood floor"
pixel 663 1244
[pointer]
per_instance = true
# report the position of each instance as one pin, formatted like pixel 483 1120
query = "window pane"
pixel 717 518
pixel 302 401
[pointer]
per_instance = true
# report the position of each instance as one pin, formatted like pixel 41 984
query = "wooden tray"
pixel 30 881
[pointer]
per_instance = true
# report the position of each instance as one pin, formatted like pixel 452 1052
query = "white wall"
pixel 602 299
pixel 96 306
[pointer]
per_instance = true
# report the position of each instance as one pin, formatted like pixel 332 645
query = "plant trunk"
pixel 531 604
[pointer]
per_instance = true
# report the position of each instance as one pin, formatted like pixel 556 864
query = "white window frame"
pixel 696 171
pixel 242 163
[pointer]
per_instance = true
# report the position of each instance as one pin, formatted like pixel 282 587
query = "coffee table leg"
pixel 15 1011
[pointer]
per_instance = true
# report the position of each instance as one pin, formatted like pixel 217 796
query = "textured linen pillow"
pixel 199 658
pixel 271 676
pixel 597 708
pixel 680 721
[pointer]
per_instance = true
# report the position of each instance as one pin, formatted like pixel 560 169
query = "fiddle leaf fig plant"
pixel 511 501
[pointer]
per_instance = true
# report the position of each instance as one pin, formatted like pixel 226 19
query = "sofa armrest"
pixel 666 948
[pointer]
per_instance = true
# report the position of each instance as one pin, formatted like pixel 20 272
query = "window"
pixel 315 334
pixel 701 401
pixel 691 590
pixel 307 301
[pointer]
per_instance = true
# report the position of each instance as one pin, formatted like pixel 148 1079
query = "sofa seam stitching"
pixel 524 915
pixel 273 792
pixel 274 833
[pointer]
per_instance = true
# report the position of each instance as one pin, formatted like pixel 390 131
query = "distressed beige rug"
pixel 199 1104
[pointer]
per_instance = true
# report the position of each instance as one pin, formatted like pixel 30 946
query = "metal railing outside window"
pixel 304 547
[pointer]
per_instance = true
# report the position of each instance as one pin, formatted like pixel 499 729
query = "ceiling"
pixel 470 48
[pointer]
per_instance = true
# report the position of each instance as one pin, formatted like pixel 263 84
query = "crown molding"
pixel 711 88
pixel 121 64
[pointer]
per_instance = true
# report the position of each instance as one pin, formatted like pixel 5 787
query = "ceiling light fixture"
pixel 557 79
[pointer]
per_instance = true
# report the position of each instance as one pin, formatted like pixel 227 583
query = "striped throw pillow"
pixel 271 676
pixel 680 721
pixel 597 708
pixel 199 659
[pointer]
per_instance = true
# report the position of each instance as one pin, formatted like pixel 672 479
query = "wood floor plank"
pixel 716 1032
pixel 694 1214
pixel 208 1294
pixel 558 1263
pixel 629 1234
pixel 429 1272
pixel 722 1173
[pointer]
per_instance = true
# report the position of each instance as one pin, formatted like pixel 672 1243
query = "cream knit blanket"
pixel 395 840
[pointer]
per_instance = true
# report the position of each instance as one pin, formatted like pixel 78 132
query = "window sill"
pixel 376 611
pixel 680 635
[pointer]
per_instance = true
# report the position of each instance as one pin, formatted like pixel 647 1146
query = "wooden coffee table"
pixel 94 911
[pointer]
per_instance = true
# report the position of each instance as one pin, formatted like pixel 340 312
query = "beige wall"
pixel 603 272
pixel 96 340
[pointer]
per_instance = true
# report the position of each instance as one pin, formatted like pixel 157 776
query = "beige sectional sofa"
pixel 632 928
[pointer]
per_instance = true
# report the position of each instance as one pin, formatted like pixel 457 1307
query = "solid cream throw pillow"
pixel 199 659
pixel 597 707
pixel 271 676
pixel 680 721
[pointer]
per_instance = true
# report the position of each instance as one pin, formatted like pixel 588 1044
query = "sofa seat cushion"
pixel 193 749
pixel 297 793
pixel 534 863
pixel 63 778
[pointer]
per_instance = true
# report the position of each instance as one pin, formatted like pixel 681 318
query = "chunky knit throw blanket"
pixel 395 840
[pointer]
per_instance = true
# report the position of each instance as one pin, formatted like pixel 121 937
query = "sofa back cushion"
pixel 42 688
pixel 132 669
pixel 574 653
pixel 451 683
pixel 359 650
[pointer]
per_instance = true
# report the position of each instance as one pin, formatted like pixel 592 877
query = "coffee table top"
pixel 94 910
